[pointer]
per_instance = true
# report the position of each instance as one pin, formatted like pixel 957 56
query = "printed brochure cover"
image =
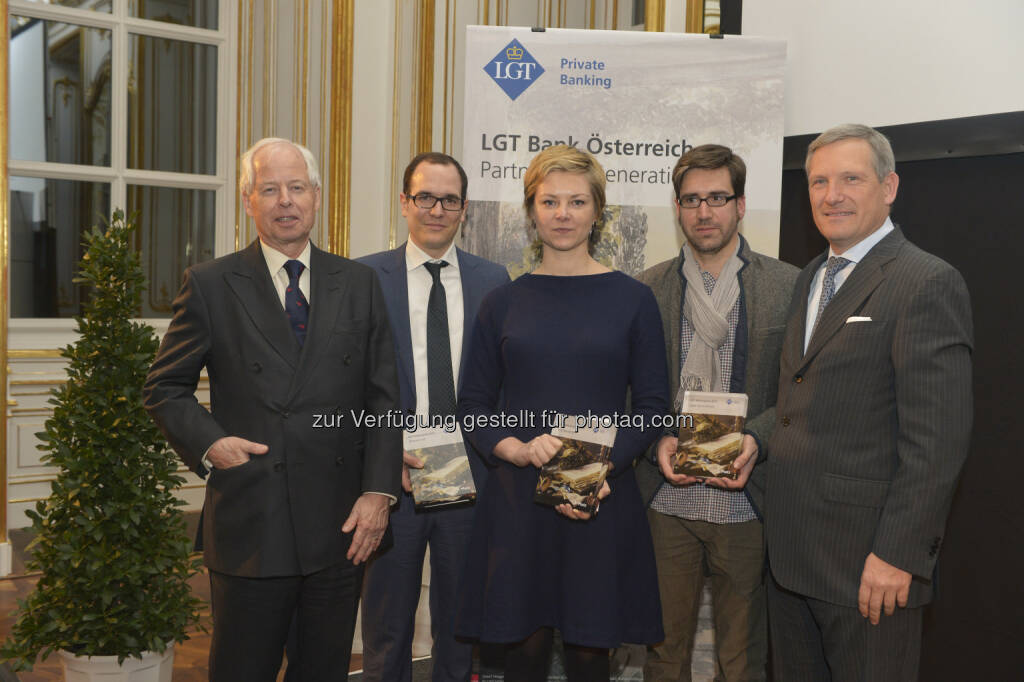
pixel 577 471
pixel 445 477
pixel 708 449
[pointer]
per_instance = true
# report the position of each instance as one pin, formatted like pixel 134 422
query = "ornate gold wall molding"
pixel 340 154
pixel 323 68
pixel 244 107
pixel 424 141
pixel 654 15
pixel 33 353
pixel 449 62
pixel 302 65
pixel 395 120
pixel 694 16
pixel 268 112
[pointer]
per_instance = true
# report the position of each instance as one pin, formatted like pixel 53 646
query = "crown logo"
pixel 513 69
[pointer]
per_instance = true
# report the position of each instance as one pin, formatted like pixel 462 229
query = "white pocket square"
pixel 856 318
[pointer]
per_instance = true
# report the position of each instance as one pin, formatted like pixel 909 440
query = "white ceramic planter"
pixel 153 667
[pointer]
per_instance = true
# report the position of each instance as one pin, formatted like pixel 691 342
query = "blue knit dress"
pixel 570 345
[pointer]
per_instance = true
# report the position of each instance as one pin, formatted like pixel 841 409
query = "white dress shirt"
pixel 854 254
pixel 279 276
pixel 419 282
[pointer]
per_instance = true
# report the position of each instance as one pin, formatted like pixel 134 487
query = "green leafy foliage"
pixel 110 540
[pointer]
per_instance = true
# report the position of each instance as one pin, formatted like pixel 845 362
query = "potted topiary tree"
pixel 110 540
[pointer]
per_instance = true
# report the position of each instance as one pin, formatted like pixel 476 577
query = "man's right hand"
pixel 232 451
pixel 409 461
pixel 665 452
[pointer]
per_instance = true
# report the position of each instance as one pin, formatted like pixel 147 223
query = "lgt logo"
pixel 514 69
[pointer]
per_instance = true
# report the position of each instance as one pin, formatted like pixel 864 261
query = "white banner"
pixel 636 101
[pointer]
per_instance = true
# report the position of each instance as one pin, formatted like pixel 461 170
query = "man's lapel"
pixel 327 282
pixel 864 279
pixel 394 281
pixel 796 330
pixel 251 283
pixel 672 312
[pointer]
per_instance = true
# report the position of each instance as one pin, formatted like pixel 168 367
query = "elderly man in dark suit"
pixel 427 279
pixel 723 307
pixel 873 422
pixel 296 343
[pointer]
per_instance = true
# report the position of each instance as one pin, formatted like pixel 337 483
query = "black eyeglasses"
pixel 427 201
pixel 713 200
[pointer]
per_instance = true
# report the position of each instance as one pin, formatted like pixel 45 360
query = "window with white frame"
pixel 117 104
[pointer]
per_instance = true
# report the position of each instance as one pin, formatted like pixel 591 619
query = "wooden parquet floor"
pixel 190 657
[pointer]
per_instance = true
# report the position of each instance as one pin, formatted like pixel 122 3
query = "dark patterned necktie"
pixel 440 379
pixel 828 285
pixel 295 303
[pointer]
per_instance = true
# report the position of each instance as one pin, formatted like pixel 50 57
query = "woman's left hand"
pixel 577 515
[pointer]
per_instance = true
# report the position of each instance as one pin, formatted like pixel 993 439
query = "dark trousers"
pixel 392 591
pixel 815 641
pixel 252 616
pixel 734 554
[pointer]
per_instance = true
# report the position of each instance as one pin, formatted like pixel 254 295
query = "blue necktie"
pixel 828 285
pixel 295 303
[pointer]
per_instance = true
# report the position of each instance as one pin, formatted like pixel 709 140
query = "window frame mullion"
pixel 119 106
pixel 119 175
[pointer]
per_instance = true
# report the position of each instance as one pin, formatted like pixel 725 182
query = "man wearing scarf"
pixel 723 308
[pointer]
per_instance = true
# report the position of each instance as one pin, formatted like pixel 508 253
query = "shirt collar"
pixel 857 252
pixel 415 257
pixel 276 260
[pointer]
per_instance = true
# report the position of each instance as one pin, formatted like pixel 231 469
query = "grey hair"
pixel 881 150
pixel 247 174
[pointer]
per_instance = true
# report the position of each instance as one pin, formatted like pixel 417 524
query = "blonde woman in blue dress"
pixel 572 337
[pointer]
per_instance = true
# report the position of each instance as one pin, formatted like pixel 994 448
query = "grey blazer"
pixel 766 288
pixel 281 513
pixel 873 424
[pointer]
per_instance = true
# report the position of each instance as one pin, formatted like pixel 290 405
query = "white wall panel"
pixel 883 63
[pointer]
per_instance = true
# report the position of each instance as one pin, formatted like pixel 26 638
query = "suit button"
pixel 257 367
pixel 285 413
pixel 278 466
pixel 347 359
pixel 798 379
pixel 785 421
pixel 339 460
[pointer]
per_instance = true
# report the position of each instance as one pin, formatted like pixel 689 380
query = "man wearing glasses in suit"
pixel 433 290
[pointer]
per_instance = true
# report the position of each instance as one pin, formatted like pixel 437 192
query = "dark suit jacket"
pixel 873 424
pixel 478 276
pixel 282 512
pixel 766 287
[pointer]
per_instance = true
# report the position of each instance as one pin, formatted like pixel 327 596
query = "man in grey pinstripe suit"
pixel 873 422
